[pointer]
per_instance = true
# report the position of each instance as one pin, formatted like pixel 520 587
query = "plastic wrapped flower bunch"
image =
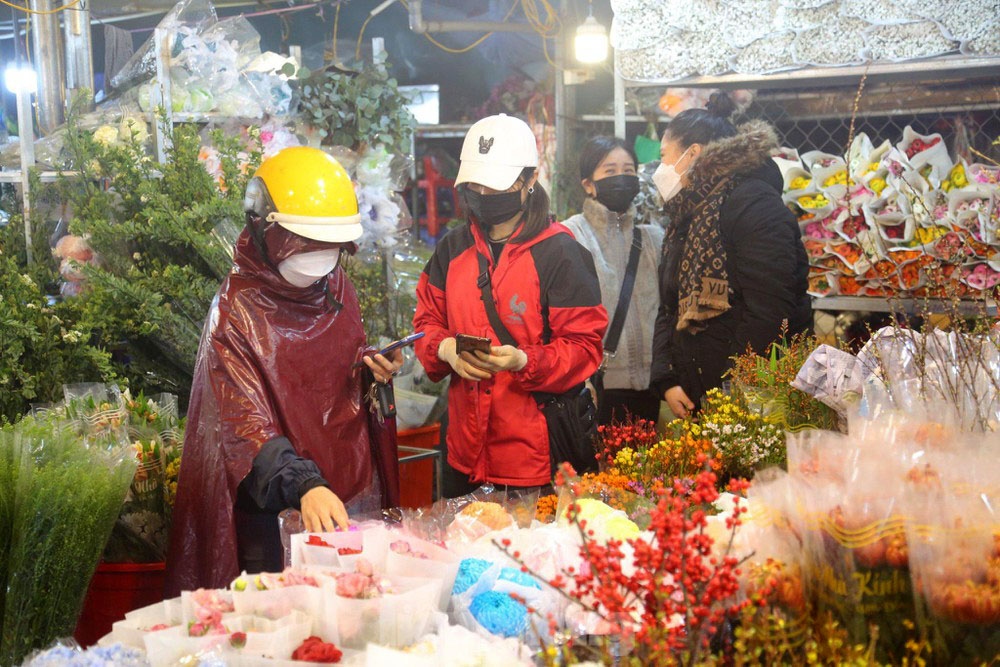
pixel 379 176
pixel 495 599
pixel 899 219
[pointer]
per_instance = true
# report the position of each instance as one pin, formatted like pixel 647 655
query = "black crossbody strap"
pixel 624 296
pixel 486 286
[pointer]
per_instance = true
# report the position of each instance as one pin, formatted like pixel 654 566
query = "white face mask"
pixel 667 180
pixel 304 269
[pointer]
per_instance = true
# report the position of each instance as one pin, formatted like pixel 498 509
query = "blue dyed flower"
pixel 469 571
pixel 103 656
pixel 500 614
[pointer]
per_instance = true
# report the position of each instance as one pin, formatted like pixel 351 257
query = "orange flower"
pixel 545 511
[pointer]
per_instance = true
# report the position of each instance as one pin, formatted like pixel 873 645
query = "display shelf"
pixel 943 67
pixel 202 117
pixel 444 131
pixel 939 69
pixel 629 118
pixel 14 176
pixel 909 306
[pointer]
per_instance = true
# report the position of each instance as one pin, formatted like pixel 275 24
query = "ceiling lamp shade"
pixel 591 42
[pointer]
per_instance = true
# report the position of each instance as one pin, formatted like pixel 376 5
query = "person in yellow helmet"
pixel 277 416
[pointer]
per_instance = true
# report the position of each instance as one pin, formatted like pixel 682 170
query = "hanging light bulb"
pixel 591 42
pixel 20 79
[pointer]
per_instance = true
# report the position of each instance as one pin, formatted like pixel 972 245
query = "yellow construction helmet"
pixel 308 193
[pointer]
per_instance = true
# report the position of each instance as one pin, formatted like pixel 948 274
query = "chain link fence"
pixel 967 117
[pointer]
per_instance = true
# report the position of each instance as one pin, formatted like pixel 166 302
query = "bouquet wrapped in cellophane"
pixel 63 475
pixel 954 537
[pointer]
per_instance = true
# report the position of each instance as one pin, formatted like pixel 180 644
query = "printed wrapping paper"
pixel 954 536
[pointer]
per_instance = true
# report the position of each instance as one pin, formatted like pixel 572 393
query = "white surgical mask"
pixel 667 180
pixel 306 268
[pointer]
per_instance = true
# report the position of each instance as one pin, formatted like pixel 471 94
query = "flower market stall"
pixel 826 507
pixel 874 546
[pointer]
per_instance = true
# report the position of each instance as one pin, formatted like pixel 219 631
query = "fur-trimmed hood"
pixel 739 155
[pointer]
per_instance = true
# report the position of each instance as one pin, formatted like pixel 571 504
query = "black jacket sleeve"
pixel 280 477
pixel 764 246
pixel 663 375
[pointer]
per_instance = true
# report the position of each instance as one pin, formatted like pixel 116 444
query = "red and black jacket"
pixel 548 296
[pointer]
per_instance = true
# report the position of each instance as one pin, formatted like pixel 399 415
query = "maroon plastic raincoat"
pixel 274 362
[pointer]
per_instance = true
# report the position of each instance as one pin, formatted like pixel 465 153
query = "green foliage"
pixel 355 109
pixel 385 312
pixel 61 494
pixel 155 229
pixel 763 384
pixel 43 345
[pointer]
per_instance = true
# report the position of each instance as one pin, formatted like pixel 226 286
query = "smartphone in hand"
pixel 395 345
pixel 402 342
pixel 465 343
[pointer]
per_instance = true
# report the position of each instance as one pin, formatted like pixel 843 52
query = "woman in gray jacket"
pixel 606 228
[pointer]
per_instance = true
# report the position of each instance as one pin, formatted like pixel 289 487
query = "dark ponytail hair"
pixel 597 148
pixel 537 217
pixel 703 126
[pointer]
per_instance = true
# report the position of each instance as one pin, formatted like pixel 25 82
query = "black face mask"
pixel 617 192
pixel 489 210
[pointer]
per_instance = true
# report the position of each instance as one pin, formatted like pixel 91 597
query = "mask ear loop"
pixel 257 204
pixel 690 166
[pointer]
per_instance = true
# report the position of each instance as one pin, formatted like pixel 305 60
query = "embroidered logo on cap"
pixel 485 146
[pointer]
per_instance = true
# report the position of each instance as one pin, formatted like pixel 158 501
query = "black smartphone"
pixel 466 343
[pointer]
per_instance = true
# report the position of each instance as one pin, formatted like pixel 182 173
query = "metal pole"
pixel 619 102
pixel 79 50
pixel 163 125
pixel 47 52
pixel 26 135
pixel 561 115
pixel 415 192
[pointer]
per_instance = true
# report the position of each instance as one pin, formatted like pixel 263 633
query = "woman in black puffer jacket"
pixel 733 271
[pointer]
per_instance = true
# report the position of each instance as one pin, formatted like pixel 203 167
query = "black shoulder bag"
pixel 621 311
pixel 571 417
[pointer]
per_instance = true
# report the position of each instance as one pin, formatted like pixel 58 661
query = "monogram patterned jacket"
pixel 547 295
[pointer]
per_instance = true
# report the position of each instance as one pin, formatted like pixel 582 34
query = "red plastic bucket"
pixel 115 590
pixel 418 461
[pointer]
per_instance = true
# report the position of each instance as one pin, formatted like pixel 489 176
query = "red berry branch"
pixel 671 594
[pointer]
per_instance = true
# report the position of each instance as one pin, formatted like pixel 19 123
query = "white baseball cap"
pixel 495 152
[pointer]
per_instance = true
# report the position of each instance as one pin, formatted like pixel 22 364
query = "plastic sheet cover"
pixel 274 361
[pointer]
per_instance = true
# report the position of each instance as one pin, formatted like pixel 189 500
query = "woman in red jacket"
pixel 546 294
